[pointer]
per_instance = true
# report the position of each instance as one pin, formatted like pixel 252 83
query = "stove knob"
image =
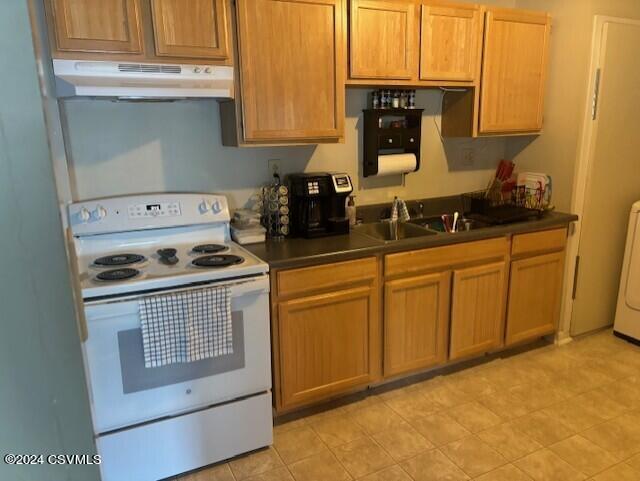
pixel 85 215
pixel 100 212
pixel 216 207
pixel 204 206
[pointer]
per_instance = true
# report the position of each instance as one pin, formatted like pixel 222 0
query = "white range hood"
pixel 131 80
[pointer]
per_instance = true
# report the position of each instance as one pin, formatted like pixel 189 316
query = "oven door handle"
pixel 260 284
pixel 239 287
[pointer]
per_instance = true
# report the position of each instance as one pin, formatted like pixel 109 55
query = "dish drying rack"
pixel 497 206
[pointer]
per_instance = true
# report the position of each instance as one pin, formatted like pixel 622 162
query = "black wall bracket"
pixel 390 131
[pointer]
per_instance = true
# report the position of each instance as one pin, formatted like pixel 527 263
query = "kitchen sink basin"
pixel 436 224
pixel 385 231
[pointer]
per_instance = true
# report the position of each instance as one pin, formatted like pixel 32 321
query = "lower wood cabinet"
pixel 331 336
pixel 325 343
pixel 326 333
pixel 535 293
pixel 477 309
pixel 416 322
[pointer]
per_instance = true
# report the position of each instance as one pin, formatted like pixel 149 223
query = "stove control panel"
pixel 146 211
pixel 164 209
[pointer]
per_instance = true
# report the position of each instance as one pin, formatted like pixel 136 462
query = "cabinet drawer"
pixel 405 263
pixel 544 241
pixel 317 278
pixel 390 141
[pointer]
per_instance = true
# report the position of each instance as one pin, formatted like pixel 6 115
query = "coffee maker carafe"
pixel 318 204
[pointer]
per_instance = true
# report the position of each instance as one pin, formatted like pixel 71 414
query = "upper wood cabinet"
pixel 195 28
pixel 416 321
pixel 450 41
pixel 477 309
pixel 96 26
pixel 513 71
pixel 175 31
pixel 291 71
pixel 383 40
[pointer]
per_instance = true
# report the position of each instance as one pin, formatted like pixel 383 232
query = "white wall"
pixel 44 406
pixel 121 147
pixel 556 150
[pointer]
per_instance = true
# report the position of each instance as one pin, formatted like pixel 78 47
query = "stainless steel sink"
pixel 436 224
pixel 386 232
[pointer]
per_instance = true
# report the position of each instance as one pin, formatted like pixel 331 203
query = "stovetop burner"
pixel 220 260
pixel 118 274
pixel 119 260
pixel 209 248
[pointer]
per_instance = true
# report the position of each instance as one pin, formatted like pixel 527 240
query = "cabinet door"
pixel 383 38
pixel 450 41
pixel 535 291
pixel 292 69
pixel 197 28
pixel 416 322
pixel 477 310
pixel 326 344
pixel 97 26
pixel 513 71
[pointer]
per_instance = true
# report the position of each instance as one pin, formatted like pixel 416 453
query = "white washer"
pixel 627 322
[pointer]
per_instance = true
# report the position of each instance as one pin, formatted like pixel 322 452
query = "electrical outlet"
pixel 274 167
pixel 467 157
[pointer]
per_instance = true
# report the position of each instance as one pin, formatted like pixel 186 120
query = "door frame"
pixel 584 161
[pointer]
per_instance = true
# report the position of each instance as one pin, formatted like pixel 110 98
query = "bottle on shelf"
pixel 351 210
pixel 411 104
pixel 395 101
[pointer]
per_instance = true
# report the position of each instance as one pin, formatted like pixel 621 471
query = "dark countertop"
pixel 300 252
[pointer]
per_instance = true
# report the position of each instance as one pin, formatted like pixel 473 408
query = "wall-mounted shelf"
pixel 380 138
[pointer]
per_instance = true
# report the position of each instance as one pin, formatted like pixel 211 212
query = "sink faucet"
pixel 399 211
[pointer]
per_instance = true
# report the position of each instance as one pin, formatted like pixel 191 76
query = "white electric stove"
pixel 153 423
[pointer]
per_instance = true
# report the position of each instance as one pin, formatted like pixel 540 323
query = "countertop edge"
pixel 554 219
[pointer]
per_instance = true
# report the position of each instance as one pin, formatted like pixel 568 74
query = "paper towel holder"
pixel 381 138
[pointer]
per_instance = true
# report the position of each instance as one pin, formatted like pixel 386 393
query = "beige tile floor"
pixel 549 414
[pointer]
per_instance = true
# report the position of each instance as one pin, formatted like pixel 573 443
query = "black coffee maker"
pixel 318 204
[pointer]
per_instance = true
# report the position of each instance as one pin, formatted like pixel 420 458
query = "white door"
pixel 608 177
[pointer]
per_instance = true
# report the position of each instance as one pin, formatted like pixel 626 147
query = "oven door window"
pixel 136 377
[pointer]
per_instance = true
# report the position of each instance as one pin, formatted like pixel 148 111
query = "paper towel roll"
pixel 396 164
